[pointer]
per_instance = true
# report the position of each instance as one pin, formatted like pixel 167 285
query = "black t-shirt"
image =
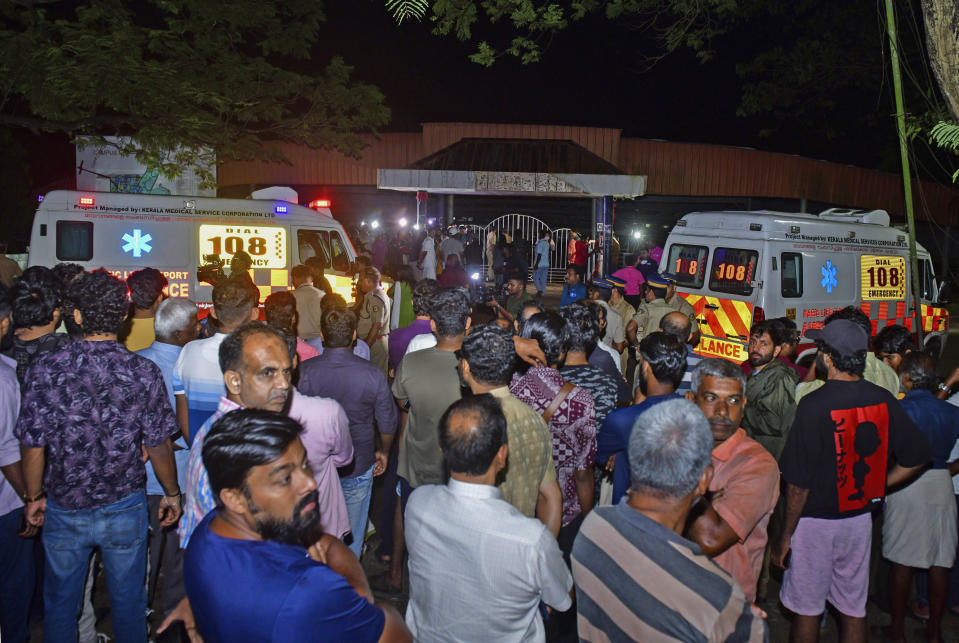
pixel 840 446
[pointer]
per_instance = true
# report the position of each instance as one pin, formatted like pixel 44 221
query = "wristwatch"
pixel 943 386
pixel 28 499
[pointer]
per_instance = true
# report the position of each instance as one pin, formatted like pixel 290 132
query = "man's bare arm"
pixel 712 533
pixel 584 488
pixel 549 506
pixel 795 502
pixel 183 416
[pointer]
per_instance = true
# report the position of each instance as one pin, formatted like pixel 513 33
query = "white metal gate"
pixel 529 228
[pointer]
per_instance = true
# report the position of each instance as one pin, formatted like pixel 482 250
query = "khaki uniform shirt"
pixel 648 316
pixel 679 303
pixel 530 462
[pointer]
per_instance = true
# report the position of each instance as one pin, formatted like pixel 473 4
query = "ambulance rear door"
pixel 720 278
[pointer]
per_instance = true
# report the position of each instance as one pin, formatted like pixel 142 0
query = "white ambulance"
pixel 179 234
pixel 736 268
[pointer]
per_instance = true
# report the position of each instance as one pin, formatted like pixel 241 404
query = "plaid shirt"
pixel 199 496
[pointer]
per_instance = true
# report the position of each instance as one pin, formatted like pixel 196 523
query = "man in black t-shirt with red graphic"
pixel 849 441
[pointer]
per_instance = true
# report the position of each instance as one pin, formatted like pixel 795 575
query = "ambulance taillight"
pixel 758 314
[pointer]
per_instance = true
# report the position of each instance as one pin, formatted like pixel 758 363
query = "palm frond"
pixel 403 9
pixel 946 136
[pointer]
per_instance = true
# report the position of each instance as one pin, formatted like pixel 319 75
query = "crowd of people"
pixel 570 474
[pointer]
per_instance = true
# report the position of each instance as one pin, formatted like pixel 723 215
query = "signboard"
pixel 266 245
pixel 713 347
pixel 882 277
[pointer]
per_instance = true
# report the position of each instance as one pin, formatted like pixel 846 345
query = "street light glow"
pixel 403 222
pixel 637 234
pixel 374 224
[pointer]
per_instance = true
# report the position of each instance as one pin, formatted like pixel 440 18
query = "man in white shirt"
pixel 478 567
pixel 451 245
pixel 427 260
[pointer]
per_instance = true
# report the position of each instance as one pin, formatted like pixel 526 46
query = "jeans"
pixel 119 530
pixel 356 493
pixel 16 578
pixel 540 277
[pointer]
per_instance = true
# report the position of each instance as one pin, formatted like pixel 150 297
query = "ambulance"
pixel 737 268
pixel 187 237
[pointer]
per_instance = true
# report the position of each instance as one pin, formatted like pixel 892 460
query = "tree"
pixel 197 76
pixel 817 66
pixel 941 18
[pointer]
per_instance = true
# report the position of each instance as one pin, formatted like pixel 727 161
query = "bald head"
pixel 472 432
pixel 676 324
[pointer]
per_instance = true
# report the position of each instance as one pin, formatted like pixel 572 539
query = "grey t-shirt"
pixel 428 378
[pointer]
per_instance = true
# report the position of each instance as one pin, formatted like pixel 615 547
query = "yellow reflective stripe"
pixel 280 278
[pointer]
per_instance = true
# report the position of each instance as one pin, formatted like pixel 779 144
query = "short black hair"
pixel 583 328
pixel 35 296
pixel 145 286
pixel 231 350
pixel 423 292
pixel 551 332
pixel 769 327
pixel 449 310
pixel 894 339
pixel 102 301
pixel 854 364
pixel 921 369
pixel 280 309
pixel 538 307
pixel 332 300
pixel 301 273
pixel 666 356
pixel 678 326
pixel 786 329
pixel 66 272
pixel 578 269
pixel 490 353
pixel 243 439
pixel 338 324
pixel 472 452
pixel 852 314
pixel 233 299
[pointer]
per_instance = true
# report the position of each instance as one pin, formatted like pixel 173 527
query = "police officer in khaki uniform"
pixel 372 309
pixel 650 311
pixel 679 303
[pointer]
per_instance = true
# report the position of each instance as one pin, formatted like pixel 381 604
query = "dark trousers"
pixel 166 555
pixel 16 578
pixel 387 489
pixel 562 625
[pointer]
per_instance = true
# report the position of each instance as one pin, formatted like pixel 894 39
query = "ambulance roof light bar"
pixel 875 217
pixel 316 204
pixel 87 201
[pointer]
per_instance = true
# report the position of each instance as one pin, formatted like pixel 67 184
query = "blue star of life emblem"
pixel 138 242
pixel 829 280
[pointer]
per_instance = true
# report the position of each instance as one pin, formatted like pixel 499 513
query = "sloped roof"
pixel 516 155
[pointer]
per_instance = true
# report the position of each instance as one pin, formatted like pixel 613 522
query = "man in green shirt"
pixel 517 299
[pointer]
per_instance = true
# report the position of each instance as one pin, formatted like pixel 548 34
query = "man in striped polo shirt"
pixel 637 578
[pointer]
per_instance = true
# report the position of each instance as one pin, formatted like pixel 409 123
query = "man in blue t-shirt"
pixel 575 289
pixel 248 575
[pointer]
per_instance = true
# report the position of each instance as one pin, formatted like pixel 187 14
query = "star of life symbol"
pixel 137 242
pixel 829 280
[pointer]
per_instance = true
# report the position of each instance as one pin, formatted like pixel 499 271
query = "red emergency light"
pixel 320 203
pixel 87 201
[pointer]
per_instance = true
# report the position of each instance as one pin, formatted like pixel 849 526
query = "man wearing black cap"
pixel 836 467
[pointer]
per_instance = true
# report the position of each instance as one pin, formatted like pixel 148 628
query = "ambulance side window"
pixel 733 270
pixel 791 275
pixel 313 243
pixel 340 258
pixel 74 240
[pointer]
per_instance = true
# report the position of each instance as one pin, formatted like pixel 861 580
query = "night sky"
pixel 589 75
